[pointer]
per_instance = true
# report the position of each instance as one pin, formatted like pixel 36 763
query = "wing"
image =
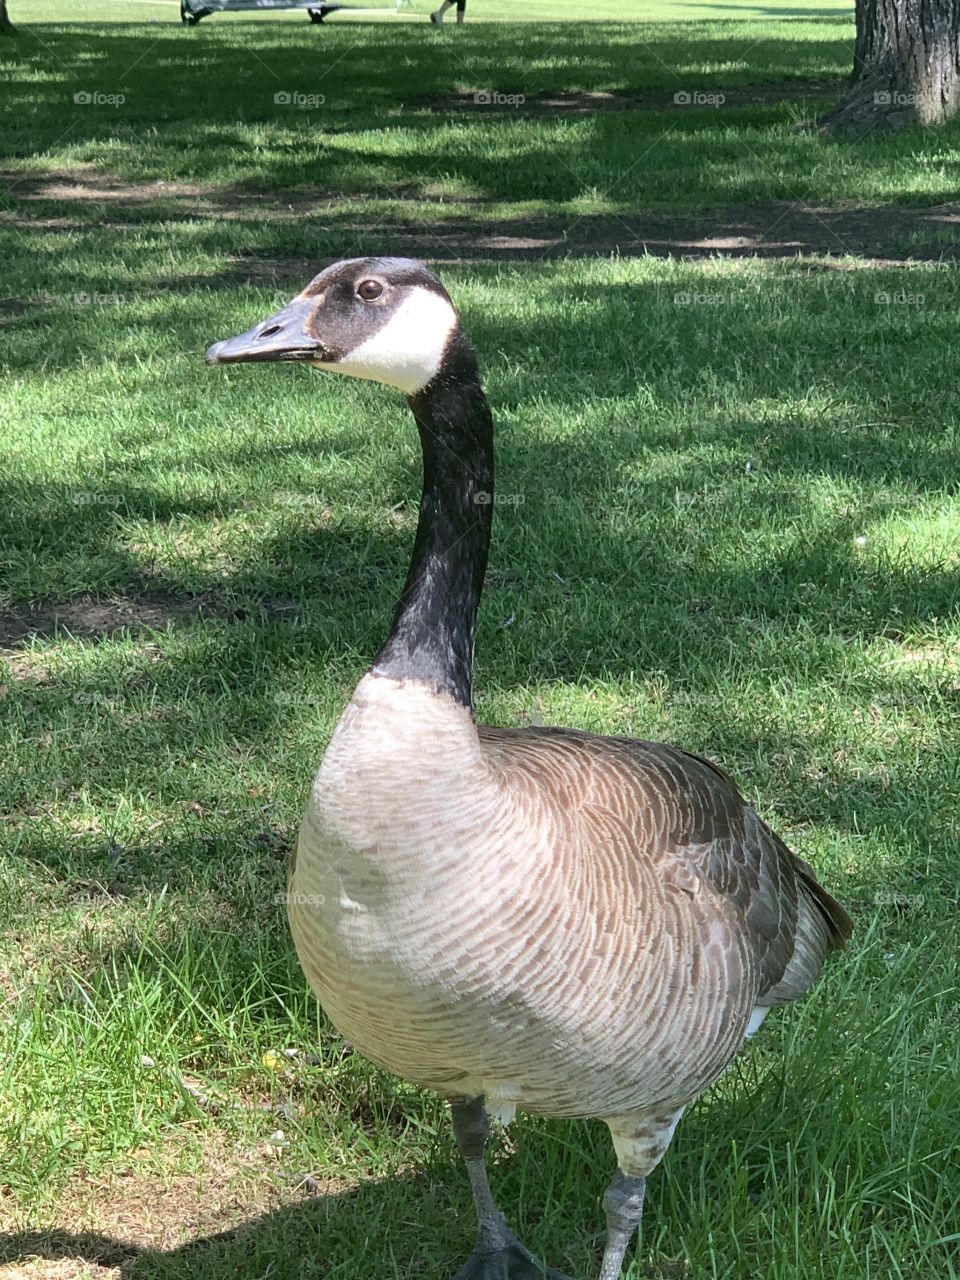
pixel 688 818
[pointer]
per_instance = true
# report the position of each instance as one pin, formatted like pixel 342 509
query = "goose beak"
pixel 285 336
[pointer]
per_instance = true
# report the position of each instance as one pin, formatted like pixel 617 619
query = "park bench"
pixel 191 11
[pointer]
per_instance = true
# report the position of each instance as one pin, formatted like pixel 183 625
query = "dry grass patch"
pixel 165 1199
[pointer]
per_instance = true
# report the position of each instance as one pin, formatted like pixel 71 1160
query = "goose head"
pixel 386 319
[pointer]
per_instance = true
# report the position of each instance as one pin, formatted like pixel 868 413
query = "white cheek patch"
pixel 406 352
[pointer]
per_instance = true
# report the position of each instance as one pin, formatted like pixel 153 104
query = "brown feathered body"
pixel 569 924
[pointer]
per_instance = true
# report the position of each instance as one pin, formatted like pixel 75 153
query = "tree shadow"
pixel 781 12
pixel 300 1240
pixel 602 596
pixel 556 1208
pixel 724 1160
pixel 187 114
pixel 653 338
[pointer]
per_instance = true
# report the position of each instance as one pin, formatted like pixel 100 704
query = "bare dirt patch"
pixel 60 1269
pixel 11 307
pixel 86 617
pixel 840 238
pixel 880 236
pixel 22 664
pixel 86 182
pixel 59 199
pixel 100 1226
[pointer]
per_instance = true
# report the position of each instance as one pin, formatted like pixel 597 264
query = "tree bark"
pixel 906 67
pixel 6 26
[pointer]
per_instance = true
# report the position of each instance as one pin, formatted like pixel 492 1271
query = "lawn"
pixel 722 357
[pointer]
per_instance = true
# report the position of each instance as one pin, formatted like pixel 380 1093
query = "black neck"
pixel 433 630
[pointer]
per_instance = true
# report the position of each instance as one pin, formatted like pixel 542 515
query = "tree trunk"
pixel 6 26
pixel 906 67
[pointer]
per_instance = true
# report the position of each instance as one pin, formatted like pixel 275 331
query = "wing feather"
pixel 686 811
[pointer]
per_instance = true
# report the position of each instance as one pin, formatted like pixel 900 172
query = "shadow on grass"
pixel 782 12
pixel 191 110
pixel 319 557
pixel 302 1240
pixel 774 1127
pixel 288 249
pixel 299 1240
pixel 80 532
pixel 550 1191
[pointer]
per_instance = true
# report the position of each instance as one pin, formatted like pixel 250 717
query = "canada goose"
pixel 537 918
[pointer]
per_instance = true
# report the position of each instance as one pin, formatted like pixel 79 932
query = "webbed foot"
pixel 512 1262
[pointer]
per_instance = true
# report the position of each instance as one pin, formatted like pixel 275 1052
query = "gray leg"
pixel 498 1254
pixel 623 1205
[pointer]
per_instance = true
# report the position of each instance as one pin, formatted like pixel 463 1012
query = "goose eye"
pixel 369 290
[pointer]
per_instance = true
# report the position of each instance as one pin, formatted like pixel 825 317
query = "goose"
pixel 527 918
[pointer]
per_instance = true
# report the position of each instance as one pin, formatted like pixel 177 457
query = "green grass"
pixel 735 525
pixel 417 11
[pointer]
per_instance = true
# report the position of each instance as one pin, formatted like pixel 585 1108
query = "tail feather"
pixel 839 922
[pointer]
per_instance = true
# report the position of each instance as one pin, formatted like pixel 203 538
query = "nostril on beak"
pixel 270 330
